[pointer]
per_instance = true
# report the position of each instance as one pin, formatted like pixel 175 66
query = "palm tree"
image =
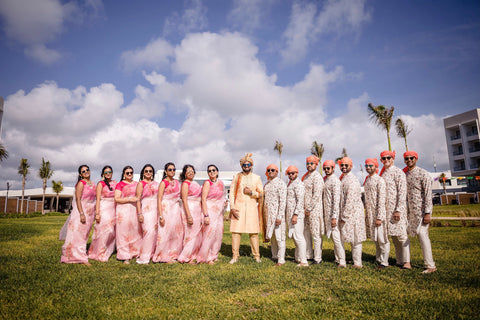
pixel 344 154
pixel 279 147
pixel 402 130
pixel 45 173
pixel 382 116
pixel 23 171
pixel 443 178
pixel 318 150
pixel 3 152
pixel 57 188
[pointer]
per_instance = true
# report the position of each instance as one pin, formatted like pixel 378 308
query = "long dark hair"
pixel 165 167
pixel 143 170
pixel 184 171
pixel 80 171
pixel 103 172
pixel 123 172
pixel 212 165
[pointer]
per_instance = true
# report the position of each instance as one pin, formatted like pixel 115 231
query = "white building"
pixel 463 143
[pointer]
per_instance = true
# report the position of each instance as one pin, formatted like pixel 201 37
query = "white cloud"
pixel 34 23
pixel 248 15
pixel 232 106
pixel 193 18
pixel 155 55
pixel 336 17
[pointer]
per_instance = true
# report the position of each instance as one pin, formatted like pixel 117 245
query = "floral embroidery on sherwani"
pixel 351 210
pixel 396 200
pixel 419 196
pixel 375 201
pixel 331 201
pixel 313 202
pixel 295 198
pixel 275 192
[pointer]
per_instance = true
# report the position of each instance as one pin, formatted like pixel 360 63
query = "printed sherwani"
pixel 396 201
pixel 314 226
pixel 419 196
pixel 275 192
pixel 375 205
pixel 295 198
pixel 331 210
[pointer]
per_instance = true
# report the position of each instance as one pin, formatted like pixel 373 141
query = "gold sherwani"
pixel 247 206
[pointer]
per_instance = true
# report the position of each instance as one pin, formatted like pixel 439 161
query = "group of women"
pixel 171 221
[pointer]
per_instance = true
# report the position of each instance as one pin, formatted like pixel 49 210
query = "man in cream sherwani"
pixel 245 191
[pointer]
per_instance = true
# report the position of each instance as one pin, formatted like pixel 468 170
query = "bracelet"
pixel 161 217
pixel 82 213
pixel 138 214
pixel 206 216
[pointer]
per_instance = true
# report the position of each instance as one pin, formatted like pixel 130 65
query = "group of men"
pixel 398 203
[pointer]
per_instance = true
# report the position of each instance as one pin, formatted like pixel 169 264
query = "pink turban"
pixel 346 160
pixel 329 163
pixel 410 154
pixel 247 158
pixel 313 159
pixel 387 153
pixel 271 166
pixel 373 161
pixel 291 169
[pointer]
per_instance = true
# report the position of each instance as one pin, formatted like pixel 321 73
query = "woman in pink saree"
pixel 103 239
pixel 170 224
pixel 147 191
pixel 74 250
pixel 128 230
pixel 213 207
pixel 190 194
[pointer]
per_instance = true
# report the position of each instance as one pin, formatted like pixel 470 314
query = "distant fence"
pixel 14 204
pixel 459 198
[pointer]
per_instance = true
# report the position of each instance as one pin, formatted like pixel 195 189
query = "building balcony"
pixel 453 138
pixel 474 166
pixel 458 153
pixel 461 168
pixel 473 149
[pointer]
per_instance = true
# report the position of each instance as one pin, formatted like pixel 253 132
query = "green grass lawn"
pixel 34 284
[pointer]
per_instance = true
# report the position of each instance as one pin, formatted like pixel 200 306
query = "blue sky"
pixel 130 82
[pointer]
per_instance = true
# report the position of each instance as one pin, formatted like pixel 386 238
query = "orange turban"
pixel 373 161
pixel 329 163
pixel 410 154
pixel 247 158
pixel 271 166
pixel 291 169
pixel 346 160
pixel 387 153
pixel 313 159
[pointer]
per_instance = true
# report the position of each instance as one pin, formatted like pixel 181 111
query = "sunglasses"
pixel 189 171
pixel 327 168
pixel 271 170
pixel 86 170
pixel 369 166
pixel 409 158
pixel 148 171
pixel 129 173
pixel 246 165
pixel 171 170
pixel 344 165
pixel 107 172
pixel 291 173
pixel 310 163
pixel 386 158
pixel 212 170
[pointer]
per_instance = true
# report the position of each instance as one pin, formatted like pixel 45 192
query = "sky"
pixel 134 82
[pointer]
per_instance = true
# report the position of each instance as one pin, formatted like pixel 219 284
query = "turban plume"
pixel 247 158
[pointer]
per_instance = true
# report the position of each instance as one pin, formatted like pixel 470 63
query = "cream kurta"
pixel 294 204
pixel 275 200
pixel 375 191
pixel 313 202
pixel 331 201
pixel 419 196
pixel 396 198
pixel 351 210
pixel 245 204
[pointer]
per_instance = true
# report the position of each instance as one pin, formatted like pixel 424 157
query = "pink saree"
pixel 193 232
pixel 150 222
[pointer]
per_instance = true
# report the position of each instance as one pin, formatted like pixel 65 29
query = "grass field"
pixel 34 284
